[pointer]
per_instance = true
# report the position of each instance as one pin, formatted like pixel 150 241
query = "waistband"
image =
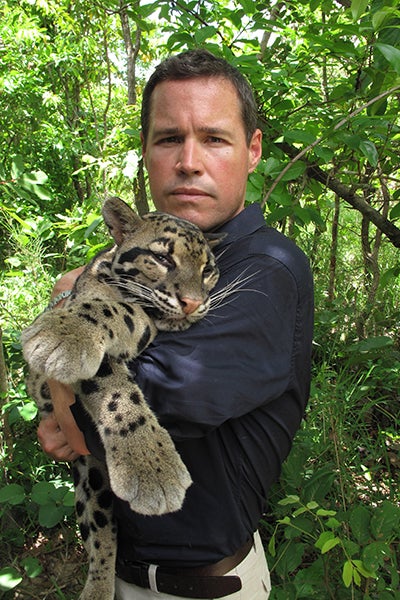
pixel 207 581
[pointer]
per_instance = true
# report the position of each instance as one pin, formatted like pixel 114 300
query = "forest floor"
pixel 63 564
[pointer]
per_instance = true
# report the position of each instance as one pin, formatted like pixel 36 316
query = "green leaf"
pixel 317 486
pixel 248 6
pixel 326 154
pixel 32 566
pixel 395 212
pixel 285 521
pixel 300 136
pixel 351 548
pixel 291 556
pixel 272 167
pixel 300 511
pixel 359 521
pixel 299 526
pixel 375 554
pixel 42 492
pixel 294 171
pixel 391 54
pixel 352 141
pixel 12 494
pixel 347 574
pixel 329 545
pixel 358 8
pixel 291 499
pixel 69 498
pixel 271 546
pixel 204 34
pixel 332 523
pixel 35 177
pixel 9 578
pixel 370 152
pixel 322 512
pixel 17 167
pixel 358 564
pixel 323 538
pixel 35 189
pixel 50 515
pixel 380 16
pixel 28 411
pixel 371 344
pixel 385 520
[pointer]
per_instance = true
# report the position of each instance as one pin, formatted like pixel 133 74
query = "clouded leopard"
pixel 158 276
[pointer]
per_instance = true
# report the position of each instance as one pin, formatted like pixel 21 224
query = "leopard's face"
pixel 167 264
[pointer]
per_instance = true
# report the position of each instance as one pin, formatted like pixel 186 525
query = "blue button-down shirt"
pixel 232 391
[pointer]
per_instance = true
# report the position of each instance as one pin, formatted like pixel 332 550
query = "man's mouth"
pixel 186 192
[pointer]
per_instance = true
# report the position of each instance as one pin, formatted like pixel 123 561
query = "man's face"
pixel 196 153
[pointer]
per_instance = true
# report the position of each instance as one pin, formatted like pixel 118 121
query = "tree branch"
pixel 343 191
pixel 343 121
pixel 346 193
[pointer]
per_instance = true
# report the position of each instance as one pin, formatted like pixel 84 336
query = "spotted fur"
pixel 158 276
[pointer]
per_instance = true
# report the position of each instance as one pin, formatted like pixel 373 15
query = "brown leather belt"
pixel 208 581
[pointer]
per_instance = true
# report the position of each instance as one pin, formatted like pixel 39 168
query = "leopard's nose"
pixel 190 305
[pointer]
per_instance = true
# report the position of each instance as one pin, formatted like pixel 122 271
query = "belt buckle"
pixel 152 576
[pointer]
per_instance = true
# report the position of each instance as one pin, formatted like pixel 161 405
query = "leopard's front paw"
pixel 149 473
pixel 59 346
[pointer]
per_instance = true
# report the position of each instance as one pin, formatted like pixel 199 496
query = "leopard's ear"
pixel 120 219
pixel 214 239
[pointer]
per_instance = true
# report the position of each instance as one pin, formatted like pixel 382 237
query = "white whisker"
pixel 234 286
pixel 134 291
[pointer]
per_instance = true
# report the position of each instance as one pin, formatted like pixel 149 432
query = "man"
pixel 232 389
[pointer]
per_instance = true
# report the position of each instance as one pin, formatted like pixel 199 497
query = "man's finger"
pixel 63 397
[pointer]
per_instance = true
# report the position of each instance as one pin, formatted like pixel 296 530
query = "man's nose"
pixel 189 159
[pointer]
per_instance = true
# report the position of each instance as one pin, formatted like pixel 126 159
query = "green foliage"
pixel 360 543
pixel 326 79
pixel 334 521
pixel 55 499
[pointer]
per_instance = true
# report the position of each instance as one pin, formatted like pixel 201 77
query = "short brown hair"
pixel 201 63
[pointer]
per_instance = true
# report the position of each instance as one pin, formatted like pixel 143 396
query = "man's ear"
pixel 255 150
pixel 120 219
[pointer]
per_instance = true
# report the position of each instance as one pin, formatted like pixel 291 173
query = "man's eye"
pixel 172 139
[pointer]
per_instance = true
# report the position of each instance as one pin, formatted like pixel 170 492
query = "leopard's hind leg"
pixel 93 501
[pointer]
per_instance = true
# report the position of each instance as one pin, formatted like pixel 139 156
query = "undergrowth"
pixel 333 522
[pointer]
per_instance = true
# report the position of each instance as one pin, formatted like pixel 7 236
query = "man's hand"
pixel 58 434
pixel 66 282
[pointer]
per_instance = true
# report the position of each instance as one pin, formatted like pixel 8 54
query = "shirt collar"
pixel 246 222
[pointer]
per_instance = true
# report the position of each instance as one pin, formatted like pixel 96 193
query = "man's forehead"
pixel 213 97
pixel 204 86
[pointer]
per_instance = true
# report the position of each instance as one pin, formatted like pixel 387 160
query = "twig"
pixel 319 140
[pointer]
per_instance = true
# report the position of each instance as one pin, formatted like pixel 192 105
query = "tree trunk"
pixel 131 49
pixel 333 251
pixel 5 433
pixel 139 187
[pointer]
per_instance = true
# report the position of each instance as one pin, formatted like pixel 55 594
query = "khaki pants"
pixel 253 571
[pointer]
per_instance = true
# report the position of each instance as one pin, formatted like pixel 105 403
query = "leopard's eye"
pixel 165 260
pixel 208 270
